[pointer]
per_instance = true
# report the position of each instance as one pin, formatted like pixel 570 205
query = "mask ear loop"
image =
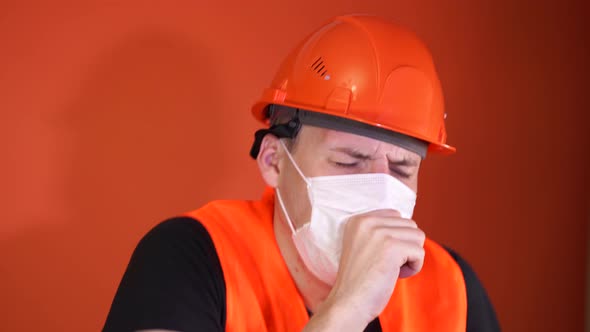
pixel 309 191
pixel 293 161
pixel 280 199
pixel 278 193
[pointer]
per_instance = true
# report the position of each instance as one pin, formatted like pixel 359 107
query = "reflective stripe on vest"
pixel 261 295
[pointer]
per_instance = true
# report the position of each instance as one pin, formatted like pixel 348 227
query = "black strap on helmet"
pixel 287 121
pixel 283 130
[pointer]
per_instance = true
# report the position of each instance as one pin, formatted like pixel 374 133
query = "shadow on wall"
pixel 139 131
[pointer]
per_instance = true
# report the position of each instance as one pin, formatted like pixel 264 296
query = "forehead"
pixel 328 139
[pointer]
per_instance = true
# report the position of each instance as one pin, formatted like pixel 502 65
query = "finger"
pixel 393 222
pixel 382 213
pixel 414 259
pixel 403 233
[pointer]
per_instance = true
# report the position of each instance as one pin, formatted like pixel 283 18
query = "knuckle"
pixel 421 253
pixel 393 213
pixel 421 236
pixel 353 222
pixel 364 224
pixel 389 240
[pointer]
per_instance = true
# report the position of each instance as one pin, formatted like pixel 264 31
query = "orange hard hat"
pixel 367 70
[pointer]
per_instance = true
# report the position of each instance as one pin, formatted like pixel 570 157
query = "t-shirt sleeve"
pixel 481 316
pixel 174 281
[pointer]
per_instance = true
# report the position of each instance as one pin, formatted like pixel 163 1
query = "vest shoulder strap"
pixel 260 293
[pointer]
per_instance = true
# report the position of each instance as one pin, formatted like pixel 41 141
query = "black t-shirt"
pixel 174 281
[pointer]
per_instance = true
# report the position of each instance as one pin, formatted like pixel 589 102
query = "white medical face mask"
pixel 334 199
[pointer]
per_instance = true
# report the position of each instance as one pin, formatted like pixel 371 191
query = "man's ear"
pixel 268 160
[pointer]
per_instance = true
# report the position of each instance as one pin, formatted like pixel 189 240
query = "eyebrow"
pixel 352 152
pixel 404 161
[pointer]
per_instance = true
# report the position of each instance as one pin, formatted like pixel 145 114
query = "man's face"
pixel 320 152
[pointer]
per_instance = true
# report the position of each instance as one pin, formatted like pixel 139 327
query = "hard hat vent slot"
pixel 319 66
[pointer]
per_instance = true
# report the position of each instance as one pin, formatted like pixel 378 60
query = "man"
pixel 331 246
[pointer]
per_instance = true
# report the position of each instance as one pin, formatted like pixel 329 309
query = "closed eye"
pixel 345 165
pixel 400 173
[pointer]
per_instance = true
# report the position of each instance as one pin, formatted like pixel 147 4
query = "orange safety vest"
pixel 261 295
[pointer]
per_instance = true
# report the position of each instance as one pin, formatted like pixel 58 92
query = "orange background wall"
pixel 116 117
